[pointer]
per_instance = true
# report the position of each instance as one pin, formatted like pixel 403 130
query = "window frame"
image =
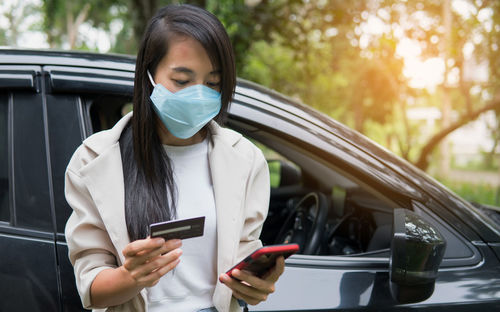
pixel 367 260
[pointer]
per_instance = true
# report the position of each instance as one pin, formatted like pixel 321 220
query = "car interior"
pixel 319 207
pixel 313 204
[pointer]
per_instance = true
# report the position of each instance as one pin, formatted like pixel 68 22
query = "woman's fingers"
pixel 277 270
pixel 155 276
pixel 147 274
pixel 249 292
pixel 147 260
pixel 262 285
pixel 159 262
pixel 247 299
pixel 135 247
pixel 146 255
pixel 251 288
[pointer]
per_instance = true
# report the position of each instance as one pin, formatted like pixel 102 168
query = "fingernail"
pixel 178 252
pixel 236 271
pixel 160 241
pixel 177 242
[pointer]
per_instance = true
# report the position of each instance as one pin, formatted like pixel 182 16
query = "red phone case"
pixel 264 258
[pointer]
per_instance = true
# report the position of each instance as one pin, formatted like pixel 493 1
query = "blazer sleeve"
pixel 256 205
pixel 89 245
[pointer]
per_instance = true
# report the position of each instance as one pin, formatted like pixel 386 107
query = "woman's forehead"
pixel 186 54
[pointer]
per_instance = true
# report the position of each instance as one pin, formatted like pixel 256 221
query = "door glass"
pixel 282 171
pixel 4 163
pixel 65 134
pixel 106 110
pixel 358 220
pixel 32 192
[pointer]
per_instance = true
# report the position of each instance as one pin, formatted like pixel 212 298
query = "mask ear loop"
pixel 151 78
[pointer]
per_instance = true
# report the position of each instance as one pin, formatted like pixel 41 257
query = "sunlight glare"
pixel 464 8
pixel 421 73
pixel 424 74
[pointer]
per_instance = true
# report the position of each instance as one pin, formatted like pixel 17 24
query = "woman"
pixel 170 160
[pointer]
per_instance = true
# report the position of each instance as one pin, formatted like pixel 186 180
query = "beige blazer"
pixel 96 232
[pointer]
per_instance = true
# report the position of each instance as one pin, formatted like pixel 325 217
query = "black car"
pixel 375 233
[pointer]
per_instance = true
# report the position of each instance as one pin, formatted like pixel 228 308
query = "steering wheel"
pixel 305 224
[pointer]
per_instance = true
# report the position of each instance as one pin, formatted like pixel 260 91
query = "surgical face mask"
pixel 186 111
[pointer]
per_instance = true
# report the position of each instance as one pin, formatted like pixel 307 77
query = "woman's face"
pixel 186 64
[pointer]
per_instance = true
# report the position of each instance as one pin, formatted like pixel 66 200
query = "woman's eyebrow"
pixel 183 70
pixel 188 71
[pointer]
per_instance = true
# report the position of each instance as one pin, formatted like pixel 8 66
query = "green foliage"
pixel 275 173
pixel 3 38
pixel 328 54
pixel 271 65
pixel 62 19
pixel 481 193
pixel 483 162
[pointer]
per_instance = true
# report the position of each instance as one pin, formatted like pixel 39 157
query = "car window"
pixel 281 170
pixel 4 163
pixel 65 134
pixel 67 129
pixel 457 248
pixel 358 221
pixel 32 190
pixel 105 110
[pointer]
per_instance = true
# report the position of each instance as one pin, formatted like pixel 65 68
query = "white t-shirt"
pixel 190 286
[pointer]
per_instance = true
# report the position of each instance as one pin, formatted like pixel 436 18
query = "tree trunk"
pixel 74 25
pixel 142 12
pixel 445 155
pixel 200 3
pixel 423 160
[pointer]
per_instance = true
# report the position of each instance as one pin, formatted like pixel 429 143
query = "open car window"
pixel 358 221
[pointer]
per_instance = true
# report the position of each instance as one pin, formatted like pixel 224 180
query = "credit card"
pixel 181 229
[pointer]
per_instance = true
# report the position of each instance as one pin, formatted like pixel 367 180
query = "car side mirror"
pixel 283 173
pixel 417 249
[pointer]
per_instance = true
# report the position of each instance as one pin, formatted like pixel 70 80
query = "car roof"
pixel 67 58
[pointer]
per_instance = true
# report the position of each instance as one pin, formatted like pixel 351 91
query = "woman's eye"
pixel 181 82
pixel 213 84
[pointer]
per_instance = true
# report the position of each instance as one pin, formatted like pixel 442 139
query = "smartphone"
pixel 264 258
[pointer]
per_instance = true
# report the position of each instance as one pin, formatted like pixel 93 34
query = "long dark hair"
pixel 150 191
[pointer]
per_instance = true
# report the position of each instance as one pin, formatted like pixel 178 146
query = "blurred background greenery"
pixel 421 78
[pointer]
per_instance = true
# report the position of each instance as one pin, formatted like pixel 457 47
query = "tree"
pixel 14 13
pixel 62 19
pixel 451 45
pixel 340 57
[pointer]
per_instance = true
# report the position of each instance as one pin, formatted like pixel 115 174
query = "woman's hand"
pixel 147 260
pixel 250 288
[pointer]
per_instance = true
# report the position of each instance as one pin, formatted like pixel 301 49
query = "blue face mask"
pixel 186 111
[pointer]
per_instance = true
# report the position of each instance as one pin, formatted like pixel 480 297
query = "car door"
pixel 28 266
pixel 311 282
pixel 353 177
pixel 71 94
